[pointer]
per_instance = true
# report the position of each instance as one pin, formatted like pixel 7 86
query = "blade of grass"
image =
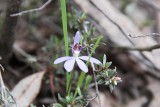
pixel 65 33
pixel 64 22
pixel 82 76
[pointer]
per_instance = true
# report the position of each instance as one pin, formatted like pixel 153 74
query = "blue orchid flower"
pixel 71 60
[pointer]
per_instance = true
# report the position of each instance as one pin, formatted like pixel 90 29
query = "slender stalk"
pixel 65 33
pixel 70 82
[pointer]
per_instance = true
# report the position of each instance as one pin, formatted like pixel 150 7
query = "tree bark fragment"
pixel 7 31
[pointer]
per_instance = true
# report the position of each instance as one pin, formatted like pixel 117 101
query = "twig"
pixel 96 85
pixel 32 10
pixel 157 46
pixel 148 35
pixel 51 78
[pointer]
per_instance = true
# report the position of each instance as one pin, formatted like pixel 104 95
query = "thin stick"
pixel 32 10
pixel 97 91
pixel 96 85
pixel 148 35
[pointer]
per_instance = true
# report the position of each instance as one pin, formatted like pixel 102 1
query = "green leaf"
pixel 100 81
pixel 68 99
pixel 111 73
pixel 88 80
pixel 79 91
pixel 80 81
pixel 106 73
pixel 96 44
pixel 78 98
pixel 107 82
pixel 56 105
pixel 108 64
pixel 84 16
pixel 61 99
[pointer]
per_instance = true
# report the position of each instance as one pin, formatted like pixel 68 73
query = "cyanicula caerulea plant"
pixel 70 60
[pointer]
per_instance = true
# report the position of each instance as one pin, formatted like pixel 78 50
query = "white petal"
pixel 62 59
pixel 69 64
pixel 93 60
pixel 82 65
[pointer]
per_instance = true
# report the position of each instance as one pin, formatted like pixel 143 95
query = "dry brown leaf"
pixel 27 89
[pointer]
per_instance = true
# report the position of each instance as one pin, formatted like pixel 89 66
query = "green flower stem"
pixel 70 82
pixel 65 33
pixel 83 74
